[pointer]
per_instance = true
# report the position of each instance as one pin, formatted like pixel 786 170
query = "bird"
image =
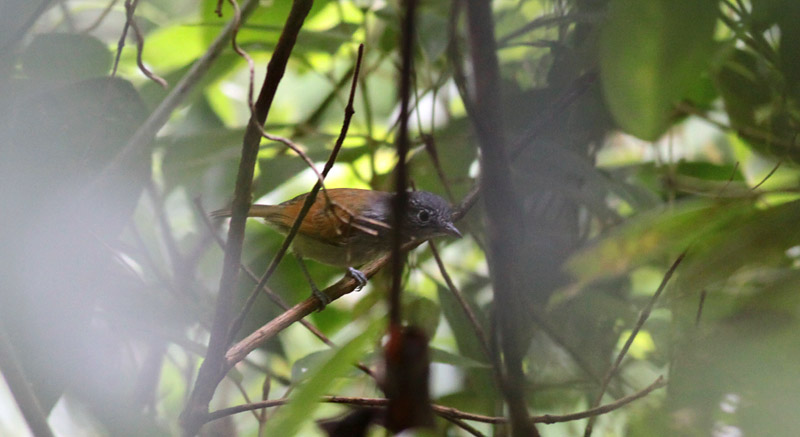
pixel 349 227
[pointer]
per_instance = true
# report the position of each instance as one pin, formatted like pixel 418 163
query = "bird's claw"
pixel 359 276
pixel 323 298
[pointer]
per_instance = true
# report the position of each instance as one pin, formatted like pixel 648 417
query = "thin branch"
pixel 21 387
pixel 130 7
pixel 449 412
pixel 464 425
pixel 639 323
pixel 271 294
pixel 310 198
pixel 213 368
pixel 769 175
pixel 99 20
pixel 547 21
pixel 400 200
pixel 473 319
pixel 159 117
pixel 730 179
pixel 700 306
pixel 345 285
pixel 137 32
pixel 594 412
pixel 250 274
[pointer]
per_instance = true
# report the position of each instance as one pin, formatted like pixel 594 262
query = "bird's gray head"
pixel 429 216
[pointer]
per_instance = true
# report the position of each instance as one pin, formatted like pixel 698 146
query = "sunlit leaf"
pixel 651 53
pixel 306 399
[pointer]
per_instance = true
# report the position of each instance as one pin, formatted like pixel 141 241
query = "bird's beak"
pixel 450 229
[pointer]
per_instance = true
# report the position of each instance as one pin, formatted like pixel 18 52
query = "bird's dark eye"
pixel 423 216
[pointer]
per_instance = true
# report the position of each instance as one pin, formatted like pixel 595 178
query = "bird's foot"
pixel 359 276
pixel 323 298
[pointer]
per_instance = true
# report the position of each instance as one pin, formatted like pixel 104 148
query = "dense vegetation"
pixel 637 159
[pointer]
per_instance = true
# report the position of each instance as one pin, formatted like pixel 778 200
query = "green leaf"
pixel 445 357
pixel 306 399
pixel 66 57
pixel 654 236
pixel 423 313
pixel 721 238
pixel 651 54
pixel 467 341
pixel 303 367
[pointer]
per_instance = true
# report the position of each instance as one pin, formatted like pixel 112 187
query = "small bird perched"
pixel 350 227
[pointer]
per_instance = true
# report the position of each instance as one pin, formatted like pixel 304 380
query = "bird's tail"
pixel 264 211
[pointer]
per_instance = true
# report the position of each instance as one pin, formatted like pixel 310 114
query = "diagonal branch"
pixel 213 368
pixel 348 115
pixel 21 387
pixel 624 351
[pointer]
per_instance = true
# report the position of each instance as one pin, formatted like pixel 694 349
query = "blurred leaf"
pixel 432 30
pixel 173 46
pixel 303 367
pixel 65 57
pixel 738 372
pixel 651 54
pixel 789 41
pixel 720 237
pixel 743 87
pixel 445 357
pixel 766 13
pixel 652 236
pixel 467 341
pixel 422 313
pixel 305 400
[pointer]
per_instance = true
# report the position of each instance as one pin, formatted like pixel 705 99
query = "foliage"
pixel 637 130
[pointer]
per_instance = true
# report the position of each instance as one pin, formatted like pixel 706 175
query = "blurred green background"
pixel 637 129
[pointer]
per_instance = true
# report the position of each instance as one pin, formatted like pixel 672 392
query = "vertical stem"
pixel 214 366
pixel 504 218
pixel 401 196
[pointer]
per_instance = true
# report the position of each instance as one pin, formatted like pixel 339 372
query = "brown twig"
pixel 213 368
pixel 271 294
pixel 310 198
pixel 130 7
pixel 769 175
pixel 345 285
pixel 130 22
pixel 160 115
pixel 637 327
pixel 449 412
pixel 250 274
pixel 603 409
pixel 700 306
pixel 137 32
